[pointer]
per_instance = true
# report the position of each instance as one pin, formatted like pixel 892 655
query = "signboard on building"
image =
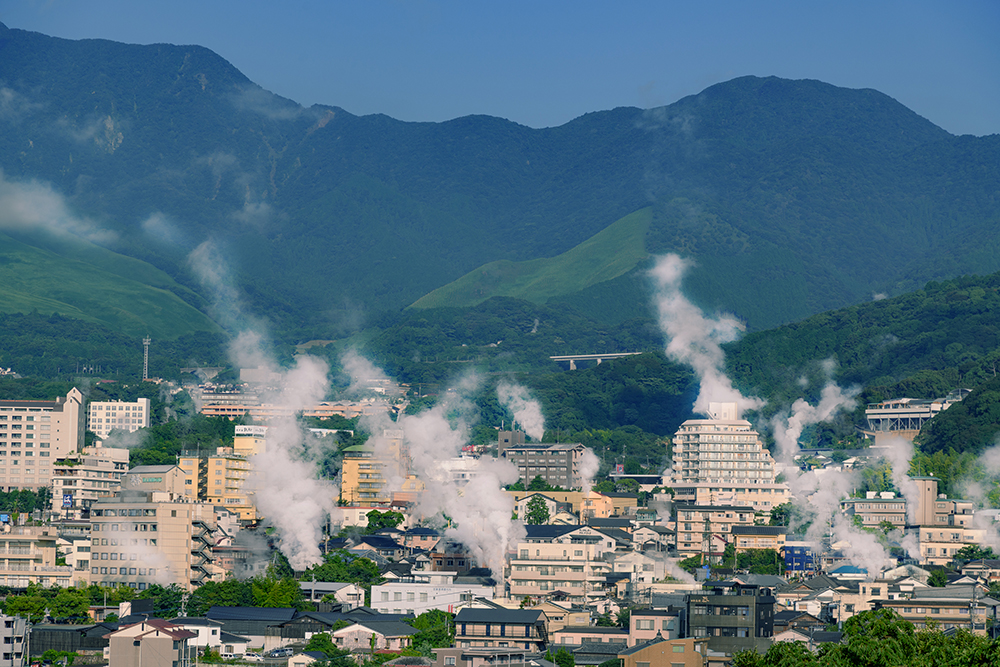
pixel 67 500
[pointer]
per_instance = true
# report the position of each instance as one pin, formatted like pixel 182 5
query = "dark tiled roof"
pixel 276 614
pixel 498 616
pixel 638 647
pixel 547 532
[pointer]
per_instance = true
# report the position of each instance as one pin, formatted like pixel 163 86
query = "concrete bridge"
pixel 573 358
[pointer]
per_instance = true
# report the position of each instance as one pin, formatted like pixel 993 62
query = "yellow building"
pixel 217 477
pixel 250 440
pixel 373 471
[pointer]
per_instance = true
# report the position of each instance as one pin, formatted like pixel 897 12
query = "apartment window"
pixel 449 660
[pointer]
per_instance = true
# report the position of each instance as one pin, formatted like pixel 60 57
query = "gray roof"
pixel 152 469
pixel 388 628
pixel 524 616
pixel 638 647
pixel 274 614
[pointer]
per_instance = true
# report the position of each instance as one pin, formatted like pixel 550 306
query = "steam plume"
pixel 527 411
pixel 695 339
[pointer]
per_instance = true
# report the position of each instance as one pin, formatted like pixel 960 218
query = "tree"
pixel 539 484
pixel 938 579
pixel 31 606
pixel 436 629
pixel 564 658
pixel 380 520
pixel 974 552
pixel 70 604
pixel 537 511
pixel 781 515
pixel 624 617
pixel 321 641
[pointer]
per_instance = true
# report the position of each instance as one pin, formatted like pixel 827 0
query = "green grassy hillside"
pixel 605 256
pixel 94 285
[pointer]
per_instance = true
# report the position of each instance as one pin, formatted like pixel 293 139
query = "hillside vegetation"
pixel 605 256
pixel 793 197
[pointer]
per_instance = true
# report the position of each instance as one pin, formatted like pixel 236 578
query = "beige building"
pixel 558 464
pixel 723 460
pixel 28 555
pixel 106 416
pixel 33 434
pixel 151 533
pixel 152 643
pixel 81 479
pixel 250 440
pixel 571 560
pixel 707 529
pixel 218 477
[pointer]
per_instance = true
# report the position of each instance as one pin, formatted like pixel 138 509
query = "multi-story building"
pixel 106 416
pixel 875 508
pixel 78 481
pixel 371 472
pixel 432 590
pixel 904 417
pixel 733 616
pixel 707 529
pixel 218 477
pixel 748 538
pixel 557 464
pixel 28 556
pixel 152 533
pixel 13 630
pixel 722 459
pixel 571 560
pixel 250 440
pixel 501 629
pixel 325 410
pixel 33 434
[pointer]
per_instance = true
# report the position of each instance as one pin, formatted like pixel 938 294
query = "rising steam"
pixel 526 410
pixel 284 477
pixel 695 339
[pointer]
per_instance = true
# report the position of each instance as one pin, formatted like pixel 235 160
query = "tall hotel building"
pixel 33 434
pixel 722 460
pixel 106 416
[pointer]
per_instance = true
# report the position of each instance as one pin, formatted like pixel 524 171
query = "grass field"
pixel 61 281
pixel 608 254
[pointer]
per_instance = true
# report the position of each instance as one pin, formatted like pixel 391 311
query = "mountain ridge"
pixel 373 213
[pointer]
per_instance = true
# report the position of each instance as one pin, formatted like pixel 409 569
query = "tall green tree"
pixel 536 511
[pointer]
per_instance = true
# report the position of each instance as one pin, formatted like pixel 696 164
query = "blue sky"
pixel 543 63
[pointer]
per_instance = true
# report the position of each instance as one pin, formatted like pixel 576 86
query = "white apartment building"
pixel 106 416
pixel 79 481
pixel 28 555
pixel 446 591
pixel 33 434
pixel 723 460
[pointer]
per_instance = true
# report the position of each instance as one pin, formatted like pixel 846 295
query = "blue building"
pixel 799 558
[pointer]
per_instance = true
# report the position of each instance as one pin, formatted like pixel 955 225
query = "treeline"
pixel 55 346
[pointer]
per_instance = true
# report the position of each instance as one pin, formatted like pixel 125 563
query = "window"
pixel 680 649
pixel 449 660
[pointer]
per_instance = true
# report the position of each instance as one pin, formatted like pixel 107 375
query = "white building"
pixel 106 416
pixel 81 480
pixel 33 434
pixel 432 590
pixel 723 460
pixel 12 634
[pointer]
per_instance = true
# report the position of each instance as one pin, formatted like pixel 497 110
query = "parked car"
pixel 253 657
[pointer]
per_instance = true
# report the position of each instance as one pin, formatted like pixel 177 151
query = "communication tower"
pixel 145 357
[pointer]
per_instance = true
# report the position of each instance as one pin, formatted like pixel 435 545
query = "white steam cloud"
pixel 288 491
pixel 819 492
pixel 589 465
pixel 696 339
pixel 527 411
pixel 477 514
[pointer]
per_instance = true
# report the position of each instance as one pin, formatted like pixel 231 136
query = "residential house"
pixel 707 529
pixel 648 624
pixel 570 560
pixel 366 636
pixel 501 629
pixel 422 592
pixel 662 652
pixel 152 643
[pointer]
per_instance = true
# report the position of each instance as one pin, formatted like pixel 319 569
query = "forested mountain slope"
pixel 794 197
